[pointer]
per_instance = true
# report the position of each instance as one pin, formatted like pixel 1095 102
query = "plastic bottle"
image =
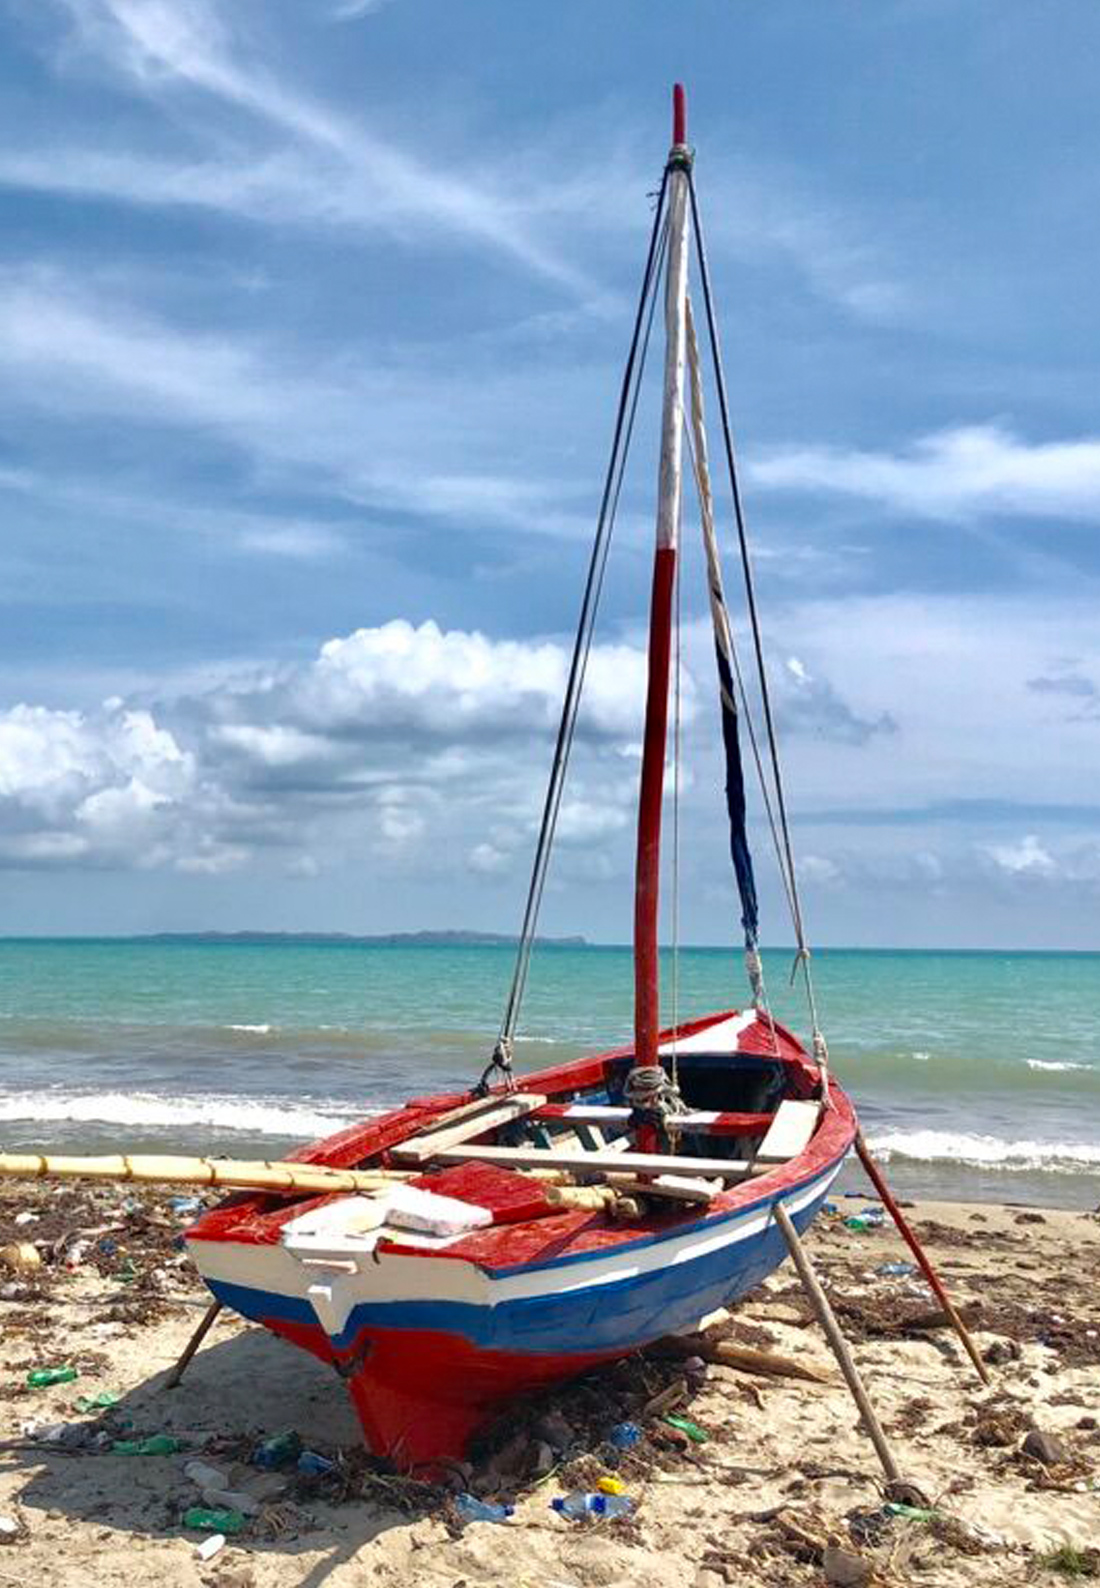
pixel 471 1509
pixel 278 1451
pixel 204 1476
pixel 579 1504
pixel 213 1521
pixel 42 1377
pixel 154 1445
pixel 313 1463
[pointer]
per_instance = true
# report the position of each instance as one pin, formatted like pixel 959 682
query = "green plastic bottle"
pixel 42 1377
pixel 154 1445
pixel 213 1521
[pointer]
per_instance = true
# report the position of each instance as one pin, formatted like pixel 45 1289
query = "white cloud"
pixel 951 474
pixel 1027 857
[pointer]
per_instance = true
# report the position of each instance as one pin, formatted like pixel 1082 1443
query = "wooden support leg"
pixel 875 1175
pixel 827 1319
pixel 193 1344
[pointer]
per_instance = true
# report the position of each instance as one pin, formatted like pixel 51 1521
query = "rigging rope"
pixel 501 1059
pixel 786 855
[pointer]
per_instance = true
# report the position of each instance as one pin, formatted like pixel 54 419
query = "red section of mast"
pixel 647 1001
pixel 648 869
pixel 679 114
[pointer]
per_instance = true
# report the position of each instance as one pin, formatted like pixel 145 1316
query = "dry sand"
pixel 785 1468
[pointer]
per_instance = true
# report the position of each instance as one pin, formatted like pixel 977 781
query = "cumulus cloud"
pixel 401 731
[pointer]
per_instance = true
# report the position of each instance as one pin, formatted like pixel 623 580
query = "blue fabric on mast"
pixel 735 791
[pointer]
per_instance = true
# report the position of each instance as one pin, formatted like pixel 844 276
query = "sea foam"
pixel 987 1152
pixel 144 1110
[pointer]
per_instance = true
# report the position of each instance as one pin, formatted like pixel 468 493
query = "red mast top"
pixel 679 114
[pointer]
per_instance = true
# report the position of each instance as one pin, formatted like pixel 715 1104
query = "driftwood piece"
pixel 727 1353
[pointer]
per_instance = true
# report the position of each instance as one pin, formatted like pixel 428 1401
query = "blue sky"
pixel 311 323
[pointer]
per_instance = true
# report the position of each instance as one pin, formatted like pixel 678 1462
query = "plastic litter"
pixel 278 1451
pixel 95 1403
pixel 912 1513
pixel 610 1485
pixel 579 1504
pixel 153 1445
pixel 43 1377
pixel 697 1435
pixel 204 1476
pixel 25 1218
pixel 218 1521
pixel 222 1499
pixel 185 1204
pixel 210 1547
pixel 471 1509
pixel 310 1461
pixel 865 1219
pixel 896 1270
pixel 624 1435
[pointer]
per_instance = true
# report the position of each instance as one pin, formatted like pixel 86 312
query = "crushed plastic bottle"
pixel 152 1445
pixel 697 1435
pixel 204 1476
pixel 213 1521
pixel 278 1451
pixel 580 1504
pixel 95 1403
pixel 624 1435
pixel 896 1270
pixel 313 1463
pixel 43 1377
pixel 471 1509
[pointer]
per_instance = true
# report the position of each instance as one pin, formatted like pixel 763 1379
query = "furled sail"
pixel 723 648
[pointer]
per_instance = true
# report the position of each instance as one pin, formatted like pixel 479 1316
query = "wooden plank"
pixel 791 1130
pixel 706 1122
pixel 594 1162
pixel 489 1115
pixel 671 1187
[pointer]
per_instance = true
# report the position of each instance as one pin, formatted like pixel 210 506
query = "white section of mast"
pixel 672 417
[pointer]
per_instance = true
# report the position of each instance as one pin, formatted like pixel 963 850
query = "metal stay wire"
pixel 624 428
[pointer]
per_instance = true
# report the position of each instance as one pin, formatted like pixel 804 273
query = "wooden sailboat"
pixel 441 1296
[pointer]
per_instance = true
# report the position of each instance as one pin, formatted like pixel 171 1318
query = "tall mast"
pixel 669 490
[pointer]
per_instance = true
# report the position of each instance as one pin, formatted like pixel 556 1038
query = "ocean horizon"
pixel 976 1071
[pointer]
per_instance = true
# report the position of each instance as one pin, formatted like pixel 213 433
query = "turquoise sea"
pixel 976 1074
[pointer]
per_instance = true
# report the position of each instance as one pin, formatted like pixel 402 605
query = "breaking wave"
pixel 987 1152
pixel 144 1111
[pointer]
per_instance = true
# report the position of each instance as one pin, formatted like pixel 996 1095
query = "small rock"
pixel 555 1431
pixel 695 1371
pixel 1000 1352
pixel 544 1459
pixel 1047 1448
pixel 1029 1218
pixel 1087 1422
pixel 845 1570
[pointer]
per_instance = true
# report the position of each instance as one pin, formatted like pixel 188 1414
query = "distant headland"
pixel 383 939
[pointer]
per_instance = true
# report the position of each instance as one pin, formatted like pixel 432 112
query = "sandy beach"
pixel 783 1474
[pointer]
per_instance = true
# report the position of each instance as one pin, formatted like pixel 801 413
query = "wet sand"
pixel 784 1479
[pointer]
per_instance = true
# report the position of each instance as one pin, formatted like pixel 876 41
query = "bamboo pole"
pixel 827 1318
pixel 905 1230
pixel 243 1174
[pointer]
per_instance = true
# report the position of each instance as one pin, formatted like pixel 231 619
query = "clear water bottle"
pixel 579 1504
pixel 471 1509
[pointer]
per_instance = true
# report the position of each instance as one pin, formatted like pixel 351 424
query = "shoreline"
pixel 783 1460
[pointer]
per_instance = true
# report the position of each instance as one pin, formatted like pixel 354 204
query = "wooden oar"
pixel 233 1173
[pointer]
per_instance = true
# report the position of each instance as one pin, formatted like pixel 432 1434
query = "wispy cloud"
pixel 329 164
pixel 958 473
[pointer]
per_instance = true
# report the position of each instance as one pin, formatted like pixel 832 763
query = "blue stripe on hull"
pixel 614 1317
